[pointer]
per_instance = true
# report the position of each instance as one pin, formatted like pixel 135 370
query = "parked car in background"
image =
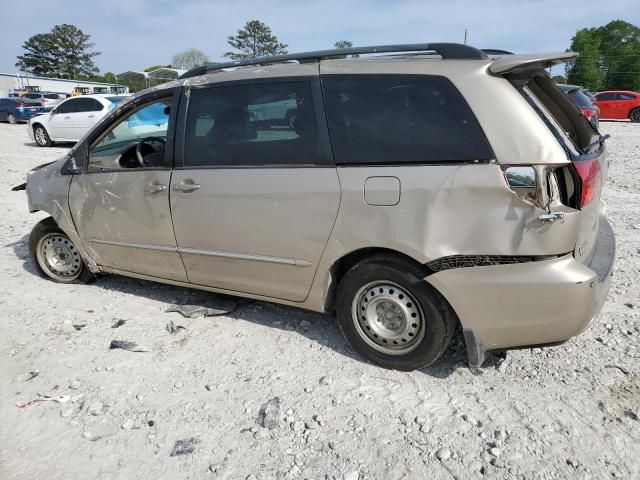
pixel 71 119
pixel 47 99
pixel 346 205
pixel 619 105
pixel 17 109
pixel 583 101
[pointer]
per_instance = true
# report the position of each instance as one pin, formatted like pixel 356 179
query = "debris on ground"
pixel 44 398
pixel 196 311
pixel 79 326
pixel 269 414
pixel 25 377
pixel 184 447
pixel 131 346
pixel 67 327
pixel 119 322
pixel 174 327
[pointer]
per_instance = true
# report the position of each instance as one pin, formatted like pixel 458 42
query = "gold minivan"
pixel 407 193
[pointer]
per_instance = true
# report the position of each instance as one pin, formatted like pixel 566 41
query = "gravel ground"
pixel 566 412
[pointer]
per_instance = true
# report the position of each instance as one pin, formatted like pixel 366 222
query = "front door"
pixel 256 196
pixel 120 204
pixel 87 112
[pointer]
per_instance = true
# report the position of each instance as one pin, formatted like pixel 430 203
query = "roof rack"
pixel 445 50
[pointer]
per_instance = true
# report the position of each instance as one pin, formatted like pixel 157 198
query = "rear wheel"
pixel 55 255
pixel 41 136
pixel 634 115
pixel 12 119
pixel 391 316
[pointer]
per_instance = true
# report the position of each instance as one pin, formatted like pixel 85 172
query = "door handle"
pixel 185 187
pixel 91 116
pixel 67 117
pixel 156 187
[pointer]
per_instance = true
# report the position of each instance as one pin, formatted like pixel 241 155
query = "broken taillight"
pixel 590 176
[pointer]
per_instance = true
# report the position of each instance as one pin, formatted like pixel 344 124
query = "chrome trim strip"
pixel 134 245
pixel 246 256
pixel 210 253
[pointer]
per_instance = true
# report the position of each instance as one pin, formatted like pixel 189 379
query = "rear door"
pixel 87 112
pixel 256 194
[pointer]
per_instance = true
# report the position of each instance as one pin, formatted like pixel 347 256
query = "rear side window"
pixel 400 119
pixel 251 125
pixel 626 96
pixel 580 98
pixel 603 97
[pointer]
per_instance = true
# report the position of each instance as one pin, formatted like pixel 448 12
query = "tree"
pixel 190 58
pixel 608 57
pixel 341 44
pixel 109 77
pixel 63 52
pixel 155 67
pixel 253 41
pixel 559 79
pixel 585 70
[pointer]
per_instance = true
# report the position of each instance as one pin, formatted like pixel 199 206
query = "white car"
pixel 71 119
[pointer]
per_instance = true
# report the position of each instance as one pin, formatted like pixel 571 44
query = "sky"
pixel 135 34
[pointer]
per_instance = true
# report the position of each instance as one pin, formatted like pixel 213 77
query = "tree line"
pixel 609 55
pixel 67 52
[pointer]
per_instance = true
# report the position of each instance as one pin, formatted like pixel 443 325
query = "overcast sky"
pixel 134 34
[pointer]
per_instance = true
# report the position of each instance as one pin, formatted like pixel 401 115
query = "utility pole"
pixel 465 36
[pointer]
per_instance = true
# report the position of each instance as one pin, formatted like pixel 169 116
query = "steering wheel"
pixel 147 141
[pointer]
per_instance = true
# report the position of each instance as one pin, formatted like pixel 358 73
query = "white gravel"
pixel 565 412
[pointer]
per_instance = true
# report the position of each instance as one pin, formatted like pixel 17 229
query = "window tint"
pixel 606 97
pixel 257 124
pixel 68 107
pixel 626 96
pixel 378 119
pixel 87 105
pixel 580 98
pixel 32 95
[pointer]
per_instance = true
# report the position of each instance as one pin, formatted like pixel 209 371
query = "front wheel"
pixel 634 115
pixel 41 136
pixel 55 256
pixel 391 316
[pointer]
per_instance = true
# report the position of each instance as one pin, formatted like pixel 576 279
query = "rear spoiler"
pixel 509 63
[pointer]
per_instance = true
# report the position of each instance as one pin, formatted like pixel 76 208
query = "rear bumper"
pixel 534 303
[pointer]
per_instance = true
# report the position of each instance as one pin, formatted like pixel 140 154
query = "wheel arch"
pixel 342 265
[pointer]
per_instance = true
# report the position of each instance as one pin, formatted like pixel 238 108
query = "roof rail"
pixel 495 51
pixel 445 50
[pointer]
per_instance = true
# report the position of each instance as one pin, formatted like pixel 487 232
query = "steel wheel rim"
pixel 388 318
pixel 40 136
pixel 59 257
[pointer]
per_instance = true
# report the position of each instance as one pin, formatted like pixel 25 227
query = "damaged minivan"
pixel 407 192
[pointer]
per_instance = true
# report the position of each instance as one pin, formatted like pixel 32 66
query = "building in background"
pixel 11 83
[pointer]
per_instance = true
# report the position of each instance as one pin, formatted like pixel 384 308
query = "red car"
pixel 619 105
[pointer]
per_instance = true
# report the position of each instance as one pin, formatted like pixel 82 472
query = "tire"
pixel 12 119
pixel 41 136
pixel 55 256
pixel 634 115
pixel 375 302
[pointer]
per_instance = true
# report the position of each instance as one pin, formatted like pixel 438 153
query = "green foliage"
pixel 190 58
pixel 254 40
pixel 64 53
pixel 559 79
pixel 609 57
pixel 109 77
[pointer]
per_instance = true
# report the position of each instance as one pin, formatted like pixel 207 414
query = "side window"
pixel 379 119
pixel 605 97
pixel 253 125
pixel 135 140
pixel 67 107
pixel 87 105
pixel 626 96
pixel 33 96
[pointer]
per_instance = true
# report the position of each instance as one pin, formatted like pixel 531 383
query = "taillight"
pixel 590 176
pixel 588 113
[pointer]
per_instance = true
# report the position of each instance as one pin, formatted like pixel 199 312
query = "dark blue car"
pixel 14 110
